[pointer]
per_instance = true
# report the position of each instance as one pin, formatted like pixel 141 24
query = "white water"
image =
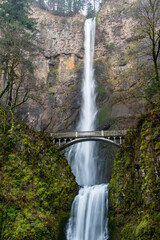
pixel 88 214
pixel 82 163
pixel 88 219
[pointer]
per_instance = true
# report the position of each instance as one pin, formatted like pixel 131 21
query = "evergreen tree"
pixel 42 4
pixel 63 7
pixel 78 5
pixel 69 7
pixel 15 13
pixel 90 11
pixel 16 49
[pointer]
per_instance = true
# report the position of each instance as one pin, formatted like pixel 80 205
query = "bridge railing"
pixel 83 134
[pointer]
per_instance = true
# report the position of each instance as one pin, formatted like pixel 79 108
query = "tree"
pixel 148 13
pixel 78 5
pixel 42 4
pixel 16 50
pixel 69 7
pixel 90 10
pixel 63 7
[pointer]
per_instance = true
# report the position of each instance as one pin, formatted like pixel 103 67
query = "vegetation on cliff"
pixel 17 49
pixel 69 7
pixel 36 183
pixel 134 187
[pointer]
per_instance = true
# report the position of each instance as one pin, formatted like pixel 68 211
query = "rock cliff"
pixel 59 69
pixel 117 65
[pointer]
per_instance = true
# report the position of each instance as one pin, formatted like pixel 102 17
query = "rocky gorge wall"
pixel 55 100
pixel 134 187
pixel 58 69
pixel 118 65
pixel 37 186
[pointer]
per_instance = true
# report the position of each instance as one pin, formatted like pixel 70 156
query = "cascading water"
pixel 88 219
pixel 83 165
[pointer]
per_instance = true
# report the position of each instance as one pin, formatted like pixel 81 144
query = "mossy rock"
pixel 37 185
pixel 134 195
pixel 103 114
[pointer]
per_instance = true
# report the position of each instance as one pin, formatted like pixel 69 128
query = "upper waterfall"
pixel 82 156
pixel 88 108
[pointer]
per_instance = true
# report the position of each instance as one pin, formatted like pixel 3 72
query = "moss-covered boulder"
pixel 134 187
pixel 36 184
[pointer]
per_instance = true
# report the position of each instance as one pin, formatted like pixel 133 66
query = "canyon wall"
pixel 134 193
pixel 118 65
pixel 37 185
pixel 58 69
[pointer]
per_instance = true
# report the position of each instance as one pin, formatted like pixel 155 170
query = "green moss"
pixel 104 112
pixel 132 49
pixel 134 194
pixel 111 45
pixel 101 90
pixel 128 232
pixel 37 186
pixel 76 69
pixel 147 228
pixel 157 147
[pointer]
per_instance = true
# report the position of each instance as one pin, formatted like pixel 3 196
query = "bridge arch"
pixel 78 140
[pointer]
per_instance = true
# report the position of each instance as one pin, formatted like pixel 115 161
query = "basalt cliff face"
pixel 59 70
pixel 118 65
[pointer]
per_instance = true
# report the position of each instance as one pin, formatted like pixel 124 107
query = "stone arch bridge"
pixel 66 139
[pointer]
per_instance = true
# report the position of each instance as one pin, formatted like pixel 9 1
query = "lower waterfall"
pixel 88 219
pixel 88 215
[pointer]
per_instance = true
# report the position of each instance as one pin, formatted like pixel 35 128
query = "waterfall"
pixel 88 214
pixel 82 162
pixel 88 219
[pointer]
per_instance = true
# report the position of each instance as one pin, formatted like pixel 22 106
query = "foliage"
pixel 15 13
pixel 69 7
pixel 134 188
pixel 90 10
pixel 62 7
pixel 37 186
pixel 111 45
pixel 17 48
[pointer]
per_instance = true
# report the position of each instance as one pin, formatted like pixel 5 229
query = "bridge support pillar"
pixel 102 133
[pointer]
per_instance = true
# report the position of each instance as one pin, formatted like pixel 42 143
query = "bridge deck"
pixel 84 134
